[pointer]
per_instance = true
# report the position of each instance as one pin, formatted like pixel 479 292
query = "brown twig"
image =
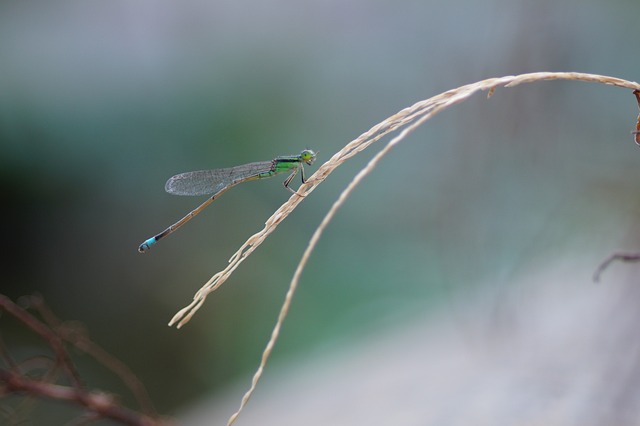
pixel 18 377
pixel 99 403
pixel 620 257
pixel 54 341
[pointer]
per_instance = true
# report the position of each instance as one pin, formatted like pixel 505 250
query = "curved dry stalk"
pixel 418 113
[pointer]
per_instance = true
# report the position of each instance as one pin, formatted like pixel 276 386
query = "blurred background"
pixel 475 238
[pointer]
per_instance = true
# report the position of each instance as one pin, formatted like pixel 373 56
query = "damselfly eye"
pixel 308 156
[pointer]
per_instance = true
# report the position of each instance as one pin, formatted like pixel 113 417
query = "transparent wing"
pixel 205 182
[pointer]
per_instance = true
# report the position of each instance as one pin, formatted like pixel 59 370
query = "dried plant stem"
pixel 411 117
pixel 420 112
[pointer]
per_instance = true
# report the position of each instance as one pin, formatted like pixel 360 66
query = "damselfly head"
pixel 308 156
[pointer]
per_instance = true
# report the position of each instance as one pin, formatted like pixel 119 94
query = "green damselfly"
pixel 218 181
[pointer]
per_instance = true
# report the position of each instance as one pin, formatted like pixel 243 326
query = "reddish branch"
pixel 616 257
pixel 97 404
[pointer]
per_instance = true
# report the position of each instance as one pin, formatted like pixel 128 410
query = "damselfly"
pixel 218 181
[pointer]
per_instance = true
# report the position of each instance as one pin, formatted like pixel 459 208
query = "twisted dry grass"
pixel 409 119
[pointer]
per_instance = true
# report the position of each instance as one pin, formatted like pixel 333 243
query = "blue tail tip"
pixel 146 245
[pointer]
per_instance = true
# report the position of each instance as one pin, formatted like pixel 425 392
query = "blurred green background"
pixel 101 102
